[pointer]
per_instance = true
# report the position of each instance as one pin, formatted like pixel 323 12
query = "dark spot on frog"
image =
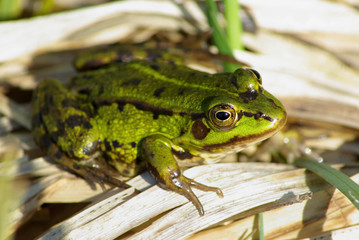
pixel 181 92
pixel 139 105
pixel 121 106
pixel 60 126
pixel 85 91
pixel 51 100
pixel 55 135
pixel 74 120
pixel 45 142
pixel 58 155
pixel 86 76
pixel 133 81
pixel 199 130
pixel 234 82
pixel 155 116
pixel 87 124
pixel 249 95
pixel 133 144
pixel 101 90
pixel 257 115
pixel 159 91
pixel 152 155
pixel 109 159
pixel 138 161
pixel 116 144
pixel 182 133
pixel 192 74
pixel 36 120
pixel 107 145
pixel 45 110
pixel 69 103
pixel 182 155
pixel 155 67
pixel 196 116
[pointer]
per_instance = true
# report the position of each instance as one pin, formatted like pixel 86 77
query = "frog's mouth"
pixel 237 143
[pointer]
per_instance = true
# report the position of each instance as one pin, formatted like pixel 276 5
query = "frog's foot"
pixel 157 152
pixel 177 182
pixel 92 175
pixel 87 169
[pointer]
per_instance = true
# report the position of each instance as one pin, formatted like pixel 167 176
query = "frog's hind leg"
pixel 84 168
pixel 63 131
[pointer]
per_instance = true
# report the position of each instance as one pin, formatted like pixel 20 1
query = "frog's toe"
pixel 182 185
pixel 91 175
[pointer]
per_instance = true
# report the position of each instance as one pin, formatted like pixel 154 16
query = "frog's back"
pixel 153 85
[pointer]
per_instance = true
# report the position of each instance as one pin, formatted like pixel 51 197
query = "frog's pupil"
pixel 222 115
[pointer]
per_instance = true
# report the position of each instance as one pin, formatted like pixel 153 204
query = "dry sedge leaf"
pixel 297 221
pixel 79 27
pixel 245 186
pixel 14 111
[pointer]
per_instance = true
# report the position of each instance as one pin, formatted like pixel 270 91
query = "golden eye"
pixel 223 116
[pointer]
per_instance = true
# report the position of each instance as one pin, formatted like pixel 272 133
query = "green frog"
pixel 121 114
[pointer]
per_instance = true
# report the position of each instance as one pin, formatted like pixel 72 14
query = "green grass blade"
pixel 46 7
pixel 261 226
pixel 10 9
pixel 336 178
pixel 218 35
pixel 8 197
pixel 234 24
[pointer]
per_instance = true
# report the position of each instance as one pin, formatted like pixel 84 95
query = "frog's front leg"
pixel 157 153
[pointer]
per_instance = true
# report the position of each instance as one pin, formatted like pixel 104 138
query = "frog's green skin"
pixel 125 116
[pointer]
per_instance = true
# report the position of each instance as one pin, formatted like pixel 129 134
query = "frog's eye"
pixel 256 74
pixel 223 116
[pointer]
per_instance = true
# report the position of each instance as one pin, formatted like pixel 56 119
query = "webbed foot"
pixel 157 152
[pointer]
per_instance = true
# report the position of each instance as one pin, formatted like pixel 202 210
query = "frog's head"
pixel 246 115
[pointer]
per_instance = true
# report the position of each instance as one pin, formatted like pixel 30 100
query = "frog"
pixel 120 115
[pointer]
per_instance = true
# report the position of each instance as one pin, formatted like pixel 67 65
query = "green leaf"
pixel 333 176
pixel 234 24
pixel 219 36
pixel 10 9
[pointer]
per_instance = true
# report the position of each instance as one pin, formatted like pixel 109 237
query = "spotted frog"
pixel 122 114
